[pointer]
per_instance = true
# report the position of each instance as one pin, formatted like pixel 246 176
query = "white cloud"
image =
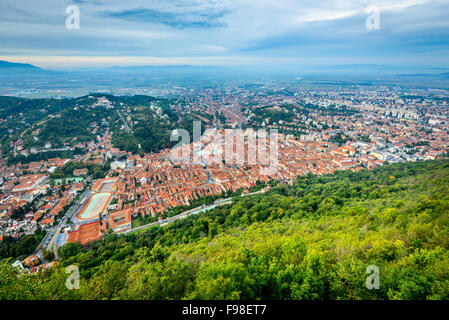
pixel 282 27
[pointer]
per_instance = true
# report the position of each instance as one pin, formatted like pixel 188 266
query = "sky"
pixel 225 32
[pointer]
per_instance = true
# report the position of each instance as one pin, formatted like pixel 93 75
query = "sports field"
pixel 94 206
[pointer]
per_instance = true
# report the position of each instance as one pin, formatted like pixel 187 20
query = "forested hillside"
pixel 311 240
pixel 67 122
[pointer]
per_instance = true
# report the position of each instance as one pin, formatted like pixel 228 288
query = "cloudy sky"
pixel 224 32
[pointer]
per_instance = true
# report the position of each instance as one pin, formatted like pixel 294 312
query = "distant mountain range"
pixel 6 65
pixel 346 69
pixel 8 69
pixel 14 65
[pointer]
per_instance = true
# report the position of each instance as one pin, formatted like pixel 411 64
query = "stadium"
pixel 94 206
pixel 97 202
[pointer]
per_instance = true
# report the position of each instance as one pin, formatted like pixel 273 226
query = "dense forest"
pixel 21 248
pixel 152 134
pixel 273 115
pixel 63 122
pixel 18 115
pixel 63 154
pixel 313 239
pixel 95 170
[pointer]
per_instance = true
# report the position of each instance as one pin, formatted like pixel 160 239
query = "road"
pixel 185 214
pixel 168 220
pixel 53 231
pixel 128 130
pixel 52 234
